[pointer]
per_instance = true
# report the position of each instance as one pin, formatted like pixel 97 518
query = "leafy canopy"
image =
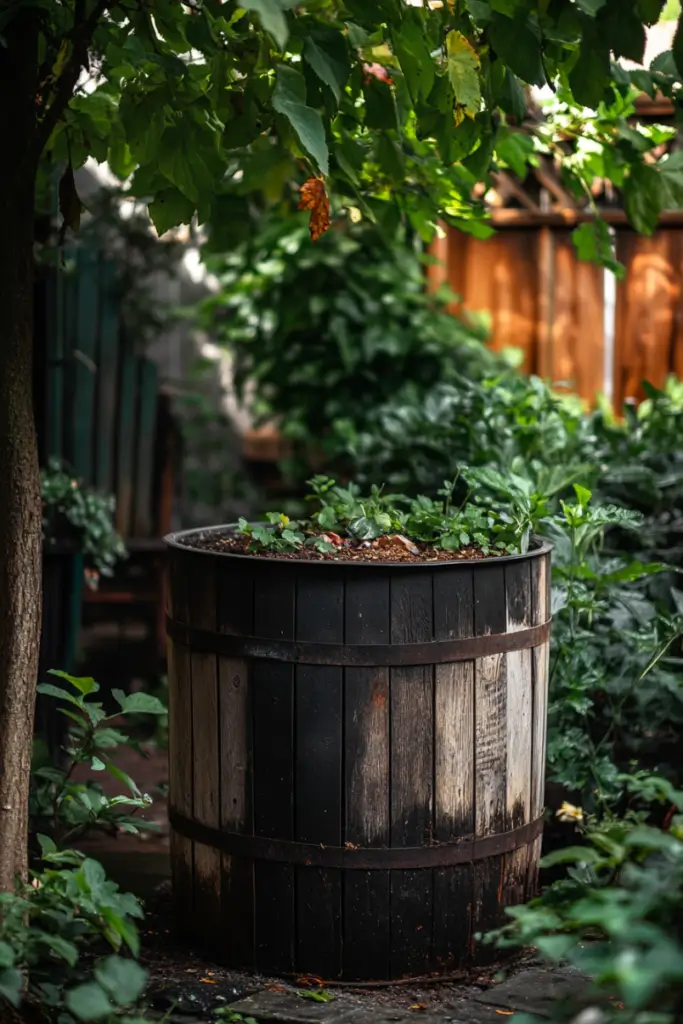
pixel 208 106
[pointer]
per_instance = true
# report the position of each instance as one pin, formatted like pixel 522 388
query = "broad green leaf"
pixel 595 244
pixel 89 1002
pixel 328 57
pixel 11 985
pixel 84 684
pixel 571 855
pixel 139 703
pixel 511 97
pixel 169 209
pixel 390 159
pixel 415 58
pixel 64 949
pixel 272 18
pixel 463 72
pixel 55 691
pixel 516 150
pixel 643 197
pixel 123 979
pixel 380 105
pixel 289 100
pixel 480 10
pixel 6 955
pixel 518 47
pixel 47 845
pixel 649 11
pixel 590 75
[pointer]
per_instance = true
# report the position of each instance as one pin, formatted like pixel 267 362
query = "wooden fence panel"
pixel 647 310
pixel 577 340
pixel 549 304
pixel 499 276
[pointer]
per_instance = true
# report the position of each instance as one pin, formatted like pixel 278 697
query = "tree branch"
pixel 66 83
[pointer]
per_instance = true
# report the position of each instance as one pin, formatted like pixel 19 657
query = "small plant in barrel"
pixel 465 520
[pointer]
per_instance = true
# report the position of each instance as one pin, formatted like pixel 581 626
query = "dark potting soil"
pixel 384 549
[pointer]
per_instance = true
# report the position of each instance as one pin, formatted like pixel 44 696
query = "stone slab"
pixel 538 990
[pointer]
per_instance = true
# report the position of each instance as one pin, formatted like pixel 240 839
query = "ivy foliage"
pixel 209 106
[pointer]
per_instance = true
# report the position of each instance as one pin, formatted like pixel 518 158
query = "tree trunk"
pixel 20 508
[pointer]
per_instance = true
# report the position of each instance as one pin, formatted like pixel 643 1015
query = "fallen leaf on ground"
pixel 314 198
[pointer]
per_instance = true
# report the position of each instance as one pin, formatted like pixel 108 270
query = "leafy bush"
pixel 332 330
pixel 68 911
pixel 444 524
pixel 66 809
pixel 46 926
pixel 618 915
pixel 74 512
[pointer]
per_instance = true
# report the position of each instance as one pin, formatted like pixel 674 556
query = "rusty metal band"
pixel 357 655
pixel 439 855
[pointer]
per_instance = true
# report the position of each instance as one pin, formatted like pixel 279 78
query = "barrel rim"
pixel 177 541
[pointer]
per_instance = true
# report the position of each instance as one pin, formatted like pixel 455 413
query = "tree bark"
pixel 20 506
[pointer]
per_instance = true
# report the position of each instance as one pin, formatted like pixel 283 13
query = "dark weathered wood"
pixel 318 773
pixel 83 366
pixel 205 759
pixel 273 702
pixel 453 766
pixel 412 774
pixel 235 588
pixel 490 754
pixel 148 393
pixel 519 728
pixel 540 610
pixel 125 444
pixel 180 750
pixel 367 934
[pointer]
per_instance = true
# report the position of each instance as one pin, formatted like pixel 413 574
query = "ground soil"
pixel 385 549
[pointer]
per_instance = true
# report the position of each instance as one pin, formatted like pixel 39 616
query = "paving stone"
pixel 537 990
pixel 287 1008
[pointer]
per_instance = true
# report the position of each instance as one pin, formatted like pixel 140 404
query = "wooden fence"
pixel 575 324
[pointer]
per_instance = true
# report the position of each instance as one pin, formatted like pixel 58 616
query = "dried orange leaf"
pixel 208 981
pixel 505 1013
pixel 417 1006
pixel 313 197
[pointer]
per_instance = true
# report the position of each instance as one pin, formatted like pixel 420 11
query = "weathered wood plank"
pixel 273 703
pixel 148 392
pixel 490 755
pixel 453 766
pixel 540 610
pixel 125 429
pixel 180 746
pixel 236 615
pixel 519 728
pixel 205 759
pixel 412 768
pixel 84 353
pixel 367 778
pixel 318 772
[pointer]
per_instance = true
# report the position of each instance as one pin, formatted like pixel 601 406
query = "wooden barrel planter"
pixel 356 757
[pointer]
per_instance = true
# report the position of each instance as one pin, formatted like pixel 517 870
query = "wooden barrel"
pixel 356 757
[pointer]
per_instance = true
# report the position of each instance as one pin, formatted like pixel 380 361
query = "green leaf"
pixel 67 951
pixel 515 149
pixel 643 195
pixel 89 1002
pixel 84 684
pixel 329 59
pixel 463 72
pixel 123 979
pixel 590 75
pixel 47 845
pixel 518 47
pixel 583 495
pixel 55 691
pixel 390 159
pixel 169 209
pixel 511 97
pixel 6 955
pixel 139 703
pixel 272 18
pixel 649 11
pixel 11 984
pixel 571 855
pixel 289 100
pixel 414 56
pixel 595 244
pixel 380 106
